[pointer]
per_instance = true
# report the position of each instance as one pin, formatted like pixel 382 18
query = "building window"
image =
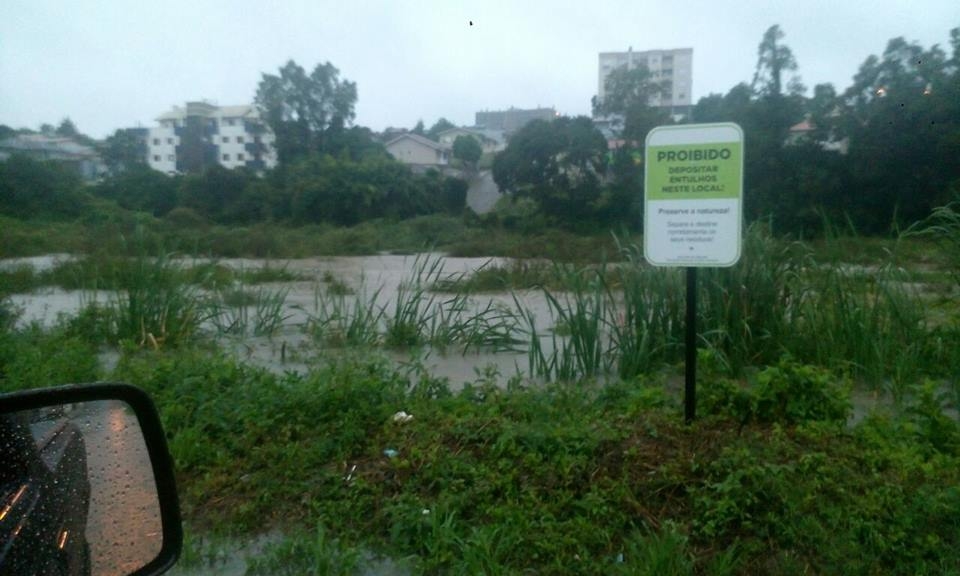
pixel 169 140
pixel 239 157
pixel 156 158
pixel 225 139
pixel 229 121
pixel 171 157
pixel 239 139
pixel 156 141
pixel 226 157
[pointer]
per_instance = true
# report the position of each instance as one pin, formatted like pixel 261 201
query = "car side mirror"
pixel 86 484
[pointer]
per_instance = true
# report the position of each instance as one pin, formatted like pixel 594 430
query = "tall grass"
pixel 413 311
pixel 629 318
pixel 154 306
pixel 748 311
pixel 235 311
pixel 943 227
pixel 415 316
pixel 872 327
pixel 647 328
pixel 339 319
pixel 579 314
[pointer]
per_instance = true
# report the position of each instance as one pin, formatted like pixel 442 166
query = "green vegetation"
pixel 580 464
pixel 584 468
pixel 563 478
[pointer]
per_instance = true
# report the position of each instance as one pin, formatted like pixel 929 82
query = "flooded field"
pixel 373 280
pixel 781 341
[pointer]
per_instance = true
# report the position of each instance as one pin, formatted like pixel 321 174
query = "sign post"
pixel 693 197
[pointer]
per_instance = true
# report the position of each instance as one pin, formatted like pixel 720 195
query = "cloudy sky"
pixel 113 64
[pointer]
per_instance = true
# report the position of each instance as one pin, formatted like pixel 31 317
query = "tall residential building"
pixel 513 119
pixel 673 67
pixel 201 134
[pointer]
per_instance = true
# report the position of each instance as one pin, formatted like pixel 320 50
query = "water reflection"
pixel 124 527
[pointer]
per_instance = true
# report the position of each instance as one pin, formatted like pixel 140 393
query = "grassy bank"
pixel 269 240
pixel 561 479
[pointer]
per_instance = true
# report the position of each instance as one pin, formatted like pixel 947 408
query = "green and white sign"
pixel 693 195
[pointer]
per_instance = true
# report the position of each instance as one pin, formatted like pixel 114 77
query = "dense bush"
pixel 32 188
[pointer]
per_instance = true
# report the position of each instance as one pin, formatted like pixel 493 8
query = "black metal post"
pixel 690 392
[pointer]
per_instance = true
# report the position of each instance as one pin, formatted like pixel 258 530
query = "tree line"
pixel 328 170
pixel 881 154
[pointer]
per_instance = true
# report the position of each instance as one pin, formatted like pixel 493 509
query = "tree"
pixel 124 150
pixel 357 143
pixel 467 149
pixel 773 60
pixel 216 192
pixel 418 129
pixel 439 126
pixel 196 152
pixel 138 187
pixel 67 129
pixel 32 188
pixel 628 94
pixel 305 111
pixel 558 164
pixel 822 110
pixel 902 118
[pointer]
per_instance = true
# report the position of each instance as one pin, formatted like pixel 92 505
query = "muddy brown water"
pixel 377 277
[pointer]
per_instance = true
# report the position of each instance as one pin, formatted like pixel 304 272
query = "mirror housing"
pixel 76 420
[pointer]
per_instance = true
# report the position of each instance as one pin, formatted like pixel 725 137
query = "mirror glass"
pixel 77 492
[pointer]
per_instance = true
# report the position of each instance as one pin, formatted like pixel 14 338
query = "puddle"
pixel 46 305
pixel 218 556
pixel 38 263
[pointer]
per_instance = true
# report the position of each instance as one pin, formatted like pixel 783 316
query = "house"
pixel 418 151
pixel 805 131
pixel 82 158
pixel 488 140
pixel 201 134
pixel 513 119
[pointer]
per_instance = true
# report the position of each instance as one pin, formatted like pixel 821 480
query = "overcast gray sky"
pixel 113 64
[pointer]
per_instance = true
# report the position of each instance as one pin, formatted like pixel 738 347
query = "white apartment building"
pixel 201 134
pixel 673 67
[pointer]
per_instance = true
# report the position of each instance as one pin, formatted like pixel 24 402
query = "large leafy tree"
pixel 123 150
pixel 774 60
pixel 305 111
pixel 902 118
pixel 628 94
pixel 38 188
pixel 559 164
pixel 137 187
pixel 467 149
pixel 439 126
pixel 772 111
